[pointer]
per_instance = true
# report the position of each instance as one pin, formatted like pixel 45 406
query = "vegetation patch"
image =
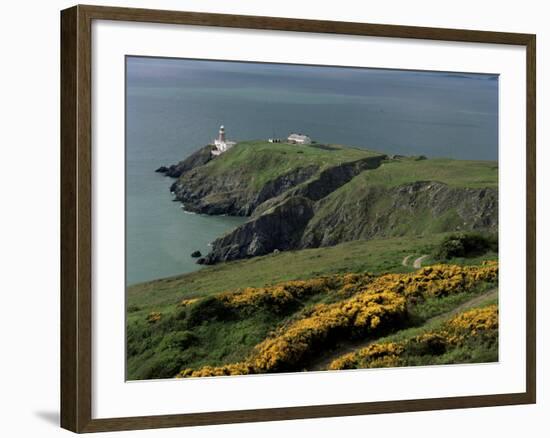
pixel 470 337
pixel 371 306
pixel 465 245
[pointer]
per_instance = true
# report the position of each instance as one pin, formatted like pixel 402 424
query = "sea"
pixel 175 106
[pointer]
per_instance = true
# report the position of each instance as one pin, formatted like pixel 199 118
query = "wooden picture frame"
pixel 76 218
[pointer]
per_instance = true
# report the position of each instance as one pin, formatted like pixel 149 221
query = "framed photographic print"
pixel 270 218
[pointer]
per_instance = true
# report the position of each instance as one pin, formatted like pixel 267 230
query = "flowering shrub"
pixel 239 368
pixel 187 302
pixel 363 314
pixel 437 280
pixel 370 305
pixel 476 324
pixel 475 320
pixel 154 317
pixel 281 296
pixel 380 355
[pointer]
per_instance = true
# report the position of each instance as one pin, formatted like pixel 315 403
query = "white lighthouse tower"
pixel 221 135
pixel 221 143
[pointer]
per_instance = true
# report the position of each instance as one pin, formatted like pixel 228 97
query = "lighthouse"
pixel 221 135
pixel 221 143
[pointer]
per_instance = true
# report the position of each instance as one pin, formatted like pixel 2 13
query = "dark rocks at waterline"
pixel 198 158
pixel 196 254
pixel 201 261
pixel 279 229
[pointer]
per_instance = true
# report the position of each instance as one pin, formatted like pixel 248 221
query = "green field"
pixel 367 228
pixel 455 173
pixel 261 161
pixel 376 256
pixel 203 334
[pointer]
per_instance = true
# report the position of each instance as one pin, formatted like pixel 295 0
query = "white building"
pixel 299 139
pixel 221 143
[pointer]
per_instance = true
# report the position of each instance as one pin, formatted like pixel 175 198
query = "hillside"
pixel 309 196
pixel 408 197
pixel 252 172
pixel 292 325
pixel 339 292
pixel 376 256
pixel 315 196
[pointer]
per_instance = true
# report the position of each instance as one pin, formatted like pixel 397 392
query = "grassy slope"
pixel 377 256
pixel 228 341
pixel 225 341
pixel 456 173
pixel 471 354
pixel 163 348
pixel 261 161
pixel 475 350
pixel 393 173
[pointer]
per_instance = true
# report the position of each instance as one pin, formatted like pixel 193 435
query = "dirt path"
pixel 322 363
pixel 417 264
pixel 490 294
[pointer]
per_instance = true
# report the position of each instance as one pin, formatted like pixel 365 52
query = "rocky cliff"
pixel 330 196
pixel 409 209
pixel 196 159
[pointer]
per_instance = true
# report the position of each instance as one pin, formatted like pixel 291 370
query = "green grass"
pixel 157 350
pixel 455 173
pixel 433 309
pixel 477 347
pixel 380 255
pixel 208 333
pixel 370 201
pixel 203 334
pixel 261 161
pixel 376 256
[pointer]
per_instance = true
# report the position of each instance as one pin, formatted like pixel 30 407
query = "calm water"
pixel 176 106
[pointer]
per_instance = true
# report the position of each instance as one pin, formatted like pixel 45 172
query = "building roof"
pixel 298 137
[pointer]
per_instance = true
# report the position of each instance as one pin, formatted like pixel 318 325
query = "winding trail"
pixel 490 294
pixel 418 262
pixel 322 363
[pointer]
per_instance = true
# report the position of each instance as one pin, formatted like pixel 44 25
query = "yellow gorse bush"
pixel 482 322
pixel 373 305
pixel 187 302
pixel 284 294
pixel 475 320
pixel 366 312
pixel 154 317
pixel 437 280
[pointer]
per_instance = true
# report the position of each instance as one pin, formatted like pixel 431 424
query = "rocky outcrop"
pixel 298 222
pixel 317 205
pixel 278 229
pixel 230 193
pixel 416 208
pixel 326 182
pixel 198 158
